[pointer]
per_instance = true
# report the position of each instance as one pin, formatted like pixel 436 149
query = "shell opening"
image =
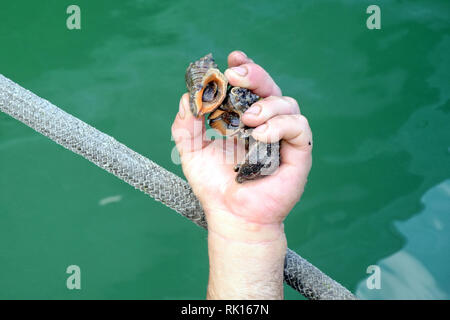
pixel 210 92
pixel 213 92
pixel 227 123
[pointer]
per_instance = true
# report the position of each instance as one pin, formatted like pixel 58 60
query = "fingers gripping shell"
pixel 240 99
pixel 227 118
pixel 207 86
pixel 208 92
pixel 261 158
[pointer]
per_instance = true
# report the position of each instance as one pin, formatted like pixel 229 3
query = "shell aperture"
pixel 207 86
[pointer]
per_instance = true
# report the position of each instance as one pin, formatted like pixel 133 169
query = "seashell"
pixel 207 86
pixel 208 93
pixel 224 121
pixel 240 99
pixel 227 118
pixel 260 158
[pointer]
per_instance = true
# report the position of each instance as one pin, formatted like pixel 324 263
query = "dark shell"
pixel 225 122
pixel 227 118
pixel 261 159
pixel 207 86
pixel 240 99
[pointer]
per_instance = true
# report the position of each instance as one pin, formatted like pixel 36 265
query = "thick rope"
pixel 143 174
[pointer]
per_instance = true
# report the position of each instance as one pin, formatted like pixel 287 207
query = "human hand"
pixel 246 240
pixel 238 210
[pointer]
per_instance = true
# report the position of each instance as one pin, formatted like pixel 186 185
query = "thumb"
pixel 188 131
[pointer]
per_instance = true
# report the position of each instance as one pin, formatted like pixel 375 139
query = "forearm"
pixel 246 262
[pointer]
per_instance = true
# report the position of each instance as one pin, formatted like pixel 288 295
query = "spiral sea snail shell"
pixel 207 86
pixel 209 92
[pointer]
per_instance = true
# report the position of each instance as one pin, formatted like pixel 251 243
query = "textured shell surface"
pixel 240 99
pixel 197 69
pixel 261 159
pixel 207 86
pixel 227 118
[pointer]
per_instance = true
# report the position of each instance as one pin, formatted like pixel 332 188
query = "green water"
pixel 378 102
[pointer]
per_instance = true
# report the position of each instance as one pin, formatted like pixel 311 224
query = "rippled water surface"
pixel 378 102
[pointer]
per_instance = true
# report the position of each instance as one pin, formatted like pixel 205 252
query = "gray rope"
pixel 143 174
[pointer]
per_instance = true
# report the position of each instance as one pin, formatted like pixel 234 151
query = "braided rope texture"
pixel 143 174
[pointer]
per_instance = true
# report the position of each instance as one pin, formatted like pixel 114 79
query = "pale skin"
pixel 246 239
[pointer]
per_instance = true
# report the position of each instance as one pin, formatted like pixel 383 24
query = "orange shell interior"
pixel 219 126
pixel 216 122
pixel 206 107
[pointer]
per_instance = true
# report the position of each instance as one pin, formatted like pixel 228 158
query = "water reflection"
pixel 420 269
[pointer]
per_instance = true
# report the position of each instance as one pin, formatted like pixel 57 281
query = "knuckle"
pixel 280 105
pixel 271 99
pixel 268 103
pixel 280 120
pixel 289 100
pixel 293 103
pixel 257 73
pixel 260 78
pixel 255 67
pixel 302 119
pixel 277 89
pixel 252 69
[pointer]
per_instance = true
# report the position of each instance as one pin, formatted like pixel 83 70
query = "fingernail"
pixel 254 110
pixel 181 112
pixel 243 53
pixel 242 71
pixel 261 128
pixel 245 56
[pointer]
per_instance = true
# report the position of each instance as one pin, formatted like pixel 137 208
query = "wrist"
pixel 245 269
pixel 235 228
